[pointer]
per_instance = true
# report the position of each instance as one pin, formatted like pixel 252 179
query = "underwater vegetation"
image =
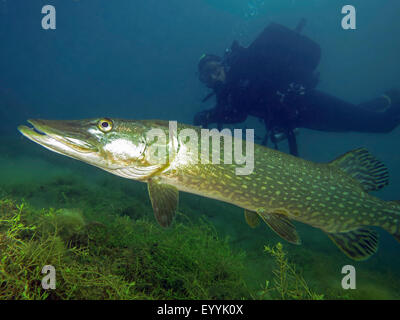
pixel 288 283
pixel 123 259
pixel 126 259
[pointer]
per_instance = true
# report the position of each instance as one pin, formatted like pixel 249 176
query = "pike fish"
pixel 333 196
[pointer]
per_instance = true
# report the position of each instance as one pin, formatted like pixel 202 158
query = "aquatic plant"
pixel 287 283
pixel 24 253
pixel 120 259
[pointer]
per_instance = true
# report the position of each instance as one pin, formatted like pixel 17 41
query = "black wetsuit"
pixel 283 93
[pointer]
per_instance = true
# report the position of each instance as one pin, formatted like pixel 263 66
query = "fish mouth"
pixel 57 136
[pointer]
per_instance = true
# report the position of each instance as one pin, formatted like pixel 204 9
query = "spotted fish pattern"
pixel 333 197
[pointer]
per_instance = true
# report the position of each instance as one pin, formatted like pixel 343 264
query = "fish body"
pixel 330 196
pixel 318 194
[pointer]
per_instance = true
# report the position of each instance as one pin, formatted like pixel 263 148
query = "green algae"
pixel 120 259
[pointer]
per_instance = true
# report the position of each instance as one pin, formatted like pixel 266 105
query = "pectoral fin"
pixel 282 226
pixel 358 244
pixel 252 218
pixel 164 199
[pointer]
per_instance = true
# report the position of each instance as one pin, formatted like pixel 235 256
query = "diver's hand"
pixel 202 119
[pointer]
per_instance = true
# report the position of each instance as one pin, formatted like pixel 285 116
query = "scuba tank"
pixel 290 59
pixel 286 56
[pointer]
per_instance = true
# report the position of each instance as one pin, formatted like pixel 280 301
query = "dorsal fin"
pixel 365 168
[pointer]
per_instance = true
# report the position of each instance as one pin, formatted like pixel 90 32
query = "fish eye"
pixel 105 125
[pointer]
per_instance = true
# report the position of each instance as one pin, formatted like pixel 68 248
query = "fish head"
pixel 115 145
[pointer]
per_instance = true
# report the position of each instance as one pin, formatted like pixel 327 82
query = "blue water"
pixel 138 60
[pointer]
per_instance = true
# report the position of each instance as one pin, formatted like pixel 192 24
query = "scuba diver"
pixel 274 79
